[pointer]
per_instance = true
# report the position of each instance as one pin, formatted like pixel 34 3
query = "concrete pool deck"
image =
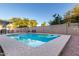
pixel 72 47
pixel 12 47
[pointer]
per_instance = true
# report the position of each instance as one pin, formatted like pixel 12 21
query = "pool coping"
pixel 52 48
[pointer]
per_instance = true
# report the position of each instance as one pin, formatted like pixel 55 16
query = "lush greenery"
pixel 19 23
pixel 23 22
pixel 57 20
pixel 43 24
pixel 71 16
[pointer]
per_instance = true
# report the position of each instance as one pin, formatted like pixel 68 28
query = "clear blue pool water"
pixel 33 40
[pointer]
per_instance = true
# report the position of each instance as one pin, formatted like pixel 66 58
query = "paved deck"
pixel 12 47
pixel 72 47
pixel 1 51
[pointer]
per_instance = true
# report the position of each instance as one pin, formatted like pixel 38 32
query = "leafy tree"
pixel 75 13
pixel 43 24
pixel 15 21
pixel 32 23
pixel 57 20
pixel 72 15
pixel 23 22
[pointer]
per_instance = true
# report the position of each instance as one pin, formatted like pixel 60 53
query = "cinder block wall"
pixel 73 29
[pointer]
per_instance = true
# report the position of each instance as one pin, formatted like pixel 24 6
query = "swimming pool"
pixel 33 40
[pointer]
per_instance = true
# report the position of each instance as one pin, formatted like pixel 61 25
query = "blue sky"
pixel 40 12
